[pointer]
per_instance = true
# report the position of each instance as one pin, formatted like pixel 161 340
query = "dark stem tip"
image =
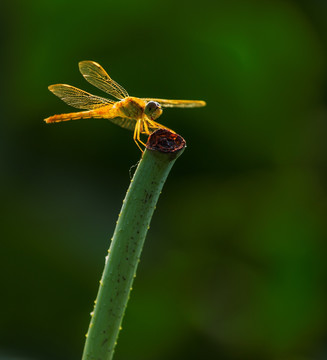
pixel 165 141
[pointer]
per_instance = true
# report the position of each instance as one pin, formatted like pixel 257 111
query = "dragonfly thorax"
pixel 131 107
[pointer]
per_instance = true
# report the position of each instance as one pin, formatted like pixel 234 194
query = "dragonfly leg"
pixel 156 126
pixel 139 132
pixel 146 128
pixel 136 136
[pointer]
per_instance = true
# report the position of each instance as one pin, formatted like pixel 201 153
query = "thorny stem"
pixel 163 148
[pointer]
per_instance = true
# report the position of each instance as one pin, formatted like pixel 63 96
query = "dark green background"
pixel 234 265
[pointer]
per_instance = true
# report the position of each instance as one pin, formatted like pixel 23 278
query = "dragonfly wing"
pixel 178 103
pixel 126 123
pixel 97 76
pixel 78 98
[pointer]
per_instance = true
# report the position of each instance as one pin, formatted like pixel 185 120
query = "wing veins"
pixel 78 98
pixel 97 76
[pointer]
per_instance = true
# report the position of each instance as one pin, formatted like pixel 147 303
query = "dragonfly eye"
pixel 151 106
pixel 152 109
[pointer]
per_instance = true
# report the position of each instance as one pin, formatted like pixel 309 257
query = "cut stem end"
pixel 165 141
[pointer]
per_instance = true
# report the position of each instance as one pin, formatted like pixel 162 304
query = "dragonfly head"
pixel 152 110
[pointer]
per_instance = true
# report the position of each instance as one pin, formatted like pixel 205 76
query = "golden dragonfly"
pixel 133 113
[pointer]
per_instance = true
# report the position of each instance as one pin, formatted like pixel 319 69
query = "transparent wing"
pixel 78 98
pixel 96 75
pixel 126 123
pixel 178 103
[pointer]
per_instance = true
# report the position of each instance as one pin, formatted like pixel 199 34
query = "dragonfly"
pixel 132 113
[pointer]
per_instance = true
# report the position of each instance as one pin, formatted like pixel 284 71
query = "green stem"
pixel 126 246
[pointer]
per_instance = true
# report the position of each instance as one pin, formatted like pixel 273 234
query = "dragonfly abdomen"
pixel 74 116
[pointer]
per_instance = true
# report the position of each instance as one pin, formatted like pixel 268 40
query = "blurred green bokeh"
pixel 234 266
